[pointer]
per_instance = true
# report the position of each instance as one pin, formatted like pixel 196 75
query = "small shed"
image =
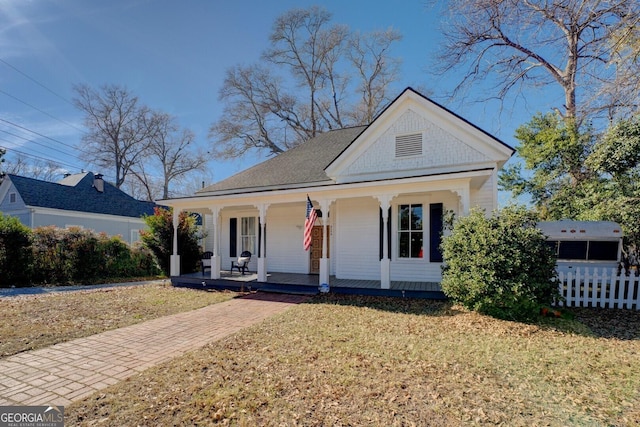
pixel 584 243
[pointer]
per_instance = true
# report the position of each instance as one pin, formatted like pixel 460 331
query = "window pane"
pixel 248 234
pixel 603 251
pixel 553 244
pixel 416 217
pixel 572 250
pixel 404 245
pixel 403 217
pixel 416 245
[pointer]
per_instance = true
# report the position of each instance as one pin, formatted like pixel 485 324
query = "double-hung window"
pixel 248 236
pixel 410 231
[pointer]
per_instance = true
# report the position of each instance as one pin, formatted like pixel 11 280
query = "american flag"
pixel 308 224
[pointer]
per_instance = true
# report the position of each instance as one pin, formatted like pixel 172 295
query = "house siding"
pixel 485 196
pixel 122 228
pixel 440 149
pixel 284 240
pixel 6 206
pixel 357 239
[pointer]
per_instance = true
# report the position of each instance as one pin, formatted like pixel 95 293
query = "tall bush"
pixel 159 239
pixel 78 256
pixel 499 265
pixel 15 252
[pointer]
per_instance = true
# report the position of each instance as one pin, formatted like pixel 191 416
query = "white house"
pixel 81 200
pixel 380 192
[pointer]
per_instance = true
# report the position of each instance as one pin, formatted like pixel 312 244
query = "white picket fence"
pixel 586 288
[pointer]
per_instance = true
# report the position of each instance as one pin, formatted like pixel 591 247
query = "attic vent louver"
pixel 409 145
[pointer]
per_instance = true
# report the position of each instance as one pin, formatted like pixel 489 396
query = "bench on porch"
pixel 242 264
pixel 205 261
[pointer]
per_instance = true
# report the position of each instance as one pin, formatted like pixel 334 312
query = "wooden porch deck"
pixel 308 284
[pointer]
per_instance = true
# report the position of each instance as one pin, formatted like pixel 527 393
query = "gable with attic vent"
pixel 412 143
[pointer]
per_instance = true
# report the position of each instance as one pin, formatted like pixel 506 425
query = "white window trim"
pixel 254 235
pixel 395 246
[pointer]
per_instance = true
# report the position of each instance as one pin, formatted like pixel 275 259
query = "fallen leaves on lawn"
pixel 384 361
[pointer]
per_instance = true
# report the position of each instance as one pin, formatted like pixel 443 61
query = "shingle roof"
pixel 81 197
pixel 302 165
pixel 306 163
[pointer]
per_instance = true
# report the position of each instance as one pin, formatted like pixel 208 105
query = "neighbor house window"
pixel 12 198
pixel 409 145
pixel 248 235
pixel 410 232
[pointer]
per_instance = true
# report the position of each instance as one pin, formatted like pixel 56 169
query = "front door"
pixel 316 248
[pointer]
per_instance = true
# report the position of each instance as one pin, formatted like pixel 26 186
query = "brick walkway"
pixel 63 373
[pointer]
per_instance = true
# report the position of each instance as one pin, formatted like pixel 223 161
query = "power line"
pixel 36 142
pixel 42 111
pixel 33 156
pixel 39 134
pixel 36 82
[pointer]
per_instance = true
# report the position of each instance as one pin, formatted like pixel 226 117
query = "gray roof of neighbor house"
pixel 77 193
pixel 302 165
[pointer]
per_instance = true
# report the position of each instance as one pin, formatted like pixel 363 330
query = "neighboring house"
pixel 84 200
pixel 380 191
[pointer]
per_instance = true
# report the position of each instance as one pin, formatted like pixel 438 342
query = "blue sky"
pixel 173 55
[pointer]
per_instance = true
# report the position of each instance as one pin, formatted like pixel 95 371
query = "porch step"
pixel 289 289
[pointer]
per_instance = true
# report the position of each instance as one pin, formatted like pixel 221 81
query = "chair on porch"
pixel 205 261
pixel 242 264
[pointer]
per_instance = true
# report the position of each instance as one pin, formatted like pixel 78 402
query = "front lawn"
pixel 378 361
pixel 36 321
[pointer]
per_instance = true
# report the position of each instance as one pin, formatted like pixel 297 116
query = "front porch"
pixel 308 284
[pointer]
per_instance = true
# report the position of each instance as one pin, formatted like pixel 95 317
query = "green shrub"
pixel 48 265
pixel 80 252
pixel 15 252
pixel 144 260
pixel 77 256
pixel 499 265
pixel 159 239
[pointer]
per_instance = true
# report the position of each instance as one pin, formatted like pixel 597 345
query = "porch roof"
pixel 302 165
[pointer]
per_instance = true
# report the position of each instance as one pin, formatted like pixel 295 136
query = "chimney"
pixel 98 183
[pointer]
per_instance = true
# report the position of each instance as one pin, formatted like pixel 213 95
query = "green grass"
pixel 382 361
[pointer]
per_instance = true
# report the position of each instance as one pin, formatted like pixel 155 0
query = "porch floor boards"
pixel 308 283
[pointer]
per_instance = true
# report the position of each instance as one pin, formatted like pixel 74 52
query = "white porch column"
pixel 325 266
pixel 262 259
pixel 174 264
pixel 215 259
pixel 464 199
pixel 385 262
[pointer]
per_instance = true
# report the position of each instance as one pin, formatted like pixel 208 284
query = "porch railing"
pixel 607 288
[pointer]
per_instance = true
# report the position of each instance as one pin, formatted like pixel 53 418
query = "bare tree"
pixel 306 44
pixel 306 83
pixel 527 43
pixel 45 170
pixel 623 91
pixel 171 150
pixel 376 70
pixel 248 117
pixel 119 128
